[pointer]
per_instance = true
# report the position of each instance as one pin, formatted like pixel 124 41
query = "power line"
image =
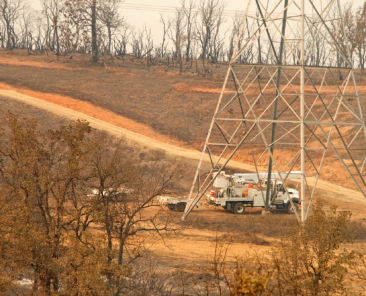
pixel 170 9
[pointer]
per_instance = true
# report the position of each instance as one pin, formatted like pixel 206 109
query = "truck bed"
pixel 174 203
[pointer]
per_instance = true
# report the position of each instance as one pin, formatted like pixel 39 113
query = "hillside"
pixel 206 224
pixel 150 96
pixel 157 102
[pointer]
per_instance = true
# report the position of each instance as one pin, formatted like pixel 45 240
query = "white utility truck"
pixel 238 191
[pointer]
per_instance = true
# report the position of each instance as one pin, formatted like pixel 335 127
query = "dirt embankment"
pixel 93 111
pixel 146 96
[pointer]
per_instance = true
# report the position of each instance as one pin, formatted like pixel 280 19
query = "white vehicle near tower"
pixel 238 191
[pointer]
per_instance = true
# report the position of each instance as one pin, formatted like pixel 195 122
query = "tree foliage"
pixel 314 260
pixel 71 208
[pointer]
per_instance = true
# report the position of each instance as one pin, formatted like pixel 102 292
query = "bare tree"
pixel 142 43
pixel 93 22
pixel 176 34
pixel 75 25
pixel 26 31
pixel 109 15
pixel 208 26
pixel 350 30
pixel 125 193
pixel 360 37
pixel 121 41
pixel 37 37
pixel 161 52
pixel 52 11
pixel 216 44
pixel 344 32
pixel 83 14
pixel 10 11
pixel 236 21
pixel 259 61
pixel 315 46
pixel 190 18
pixel 248 55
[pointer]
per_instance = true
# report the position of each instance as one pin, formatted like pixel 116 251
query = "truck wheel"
pixel 180 207
pixel 291 209
pixel 239 208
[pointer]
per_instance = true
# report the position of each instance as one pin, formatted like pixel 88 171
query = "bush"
pixel 312 260
pixel 249 283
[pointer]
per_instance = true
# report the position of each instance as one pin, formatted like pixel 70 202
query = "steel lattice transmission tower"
pixel 289 100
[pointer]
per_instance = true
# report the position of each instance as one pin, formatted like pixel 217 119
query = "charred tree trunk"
pixel 94 31
pixel 57 37
pixel 109 39
pixel 9 40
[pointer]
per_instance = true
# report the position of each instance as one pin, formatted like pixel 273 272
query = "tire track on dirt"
pixel 327 188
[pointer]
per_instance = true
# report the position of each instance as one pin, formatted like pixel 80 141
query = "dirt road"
pixel 326 188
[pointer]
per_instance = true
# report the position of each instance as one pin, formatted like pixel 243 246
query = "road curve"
pixel 334 191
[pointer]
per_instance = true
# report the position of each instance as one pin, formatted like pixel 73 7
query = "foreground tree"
pixel 40 174
pixel 125 195
pixel 313 260
pixel 72 209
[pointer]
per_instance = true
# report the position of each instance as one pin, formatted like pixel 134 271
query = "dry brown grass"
pixel 147 97
pixel 155 101
pixel 44 119
pixel 163 105
pixel 95 111
pixel 252 223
